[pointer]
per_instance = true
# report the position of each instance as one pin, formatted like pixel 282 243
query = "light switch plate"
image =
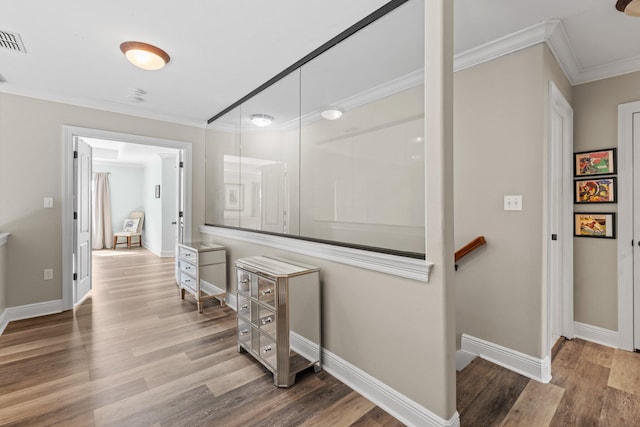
pixel 48 202
pixel 513 203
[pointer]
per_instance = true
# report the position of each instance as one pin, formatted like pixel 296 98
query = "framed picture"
pixel 233 197
pixel 157 191
pixel 596 190
pixel 602 225
pixel 601 162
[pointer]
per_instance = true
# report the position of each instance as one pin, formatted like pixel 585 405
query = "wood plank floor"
pixel 592 385
pixel 135 354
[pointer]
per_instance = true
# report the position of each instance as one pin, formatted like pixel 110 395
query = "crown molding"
pixel 504 45
pixel 552 33
pixel 109 106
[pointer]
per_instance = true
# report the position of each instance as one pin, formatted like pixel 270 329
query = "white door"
pixel 636 230
pixel 82 219
pixel 559 217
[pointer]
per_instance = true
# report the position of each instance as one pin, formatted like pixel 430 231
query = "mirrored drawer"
pixel 244 282
pixel 244 332
pixel 268 350
pixel 188 281
pixel 266 291
pixel 188 268
pixel 244 307
pixel 267 321
pixel 187 255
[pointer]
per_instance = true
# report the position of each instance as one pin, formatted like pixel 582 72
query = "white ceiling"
pixel 221 50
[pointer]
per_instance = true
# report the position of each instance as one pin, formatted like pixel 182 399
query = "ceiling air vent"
pixel 11 41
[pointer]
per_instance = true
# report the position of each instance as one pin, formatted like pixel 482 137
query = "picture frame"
pixel 233 197
pixel 600 162
pixel 600 225
pixel 595 190
pixel 157 191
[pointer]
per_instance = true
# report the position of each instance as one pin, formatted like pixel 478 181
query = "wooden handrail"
pixel 470 247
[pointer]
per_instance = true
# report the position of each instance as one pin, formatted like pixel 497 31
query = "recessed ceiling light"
pixel 145 56
pixel 331 113
pixel 261 120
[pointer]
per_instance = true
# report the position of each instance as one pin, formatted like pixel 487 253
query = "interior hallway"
pixel 135 354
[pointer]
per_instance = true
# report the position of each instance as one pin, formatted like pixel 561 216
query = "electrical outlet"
pixel 513 203
pixel 48 273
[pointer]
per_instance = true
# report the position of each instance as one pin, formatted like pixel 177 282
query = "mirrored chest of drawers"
pixel 201 270
pixel 278 303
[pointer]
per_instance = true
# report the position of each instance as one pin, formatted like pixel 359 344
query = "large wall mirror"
pixel 335 149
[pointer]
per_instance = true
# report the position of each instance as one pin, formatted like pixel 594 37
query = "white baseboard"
pixel 4 320
pixel 211 289
pixel 28 311
pixel 396 404
pixel 232 301
pixel 595 334
pixel 304 347
pixel 529 366
pixel 463 358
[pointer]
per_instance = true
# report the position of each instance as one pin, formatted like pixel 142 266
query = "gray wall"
pixel 500 137
pixel 596 127
pixel 31 168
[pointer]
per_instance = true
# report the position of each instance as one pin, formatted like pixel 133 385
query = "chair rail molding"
pixel 409 268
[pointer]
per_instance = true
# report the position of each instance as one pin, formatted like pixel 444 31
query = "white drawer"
pixel 244 332
pixel 187 254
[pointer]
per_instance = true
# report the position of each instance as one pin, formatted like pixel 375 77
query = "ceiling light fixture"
pixel 261 120
pixel 145 56
pixel 331 113
pixel 630 7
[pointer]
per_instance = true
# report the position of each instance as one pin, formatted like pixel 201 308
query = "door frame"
pixel 625 224
pixel 559 162
pixel 68 133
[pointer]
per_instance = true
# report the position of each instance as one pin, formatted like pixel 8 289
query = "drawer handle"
pixel 245 281
pixel 266 292
pixel 266 349
pixel 244 307
pixel 188 267
pixel 267 320
pixel 244 331
pixel 187 254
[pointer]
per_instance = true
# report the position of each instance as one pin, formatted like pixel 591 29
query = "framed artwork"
pixel 157 191
pixel 233 197
pixel 601 225
pixel 601 162
pixel 596 190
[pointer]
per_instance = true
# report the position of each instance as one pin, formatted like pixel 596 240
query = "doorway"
pixel 629 226
pixel 559 235
pixel 71 134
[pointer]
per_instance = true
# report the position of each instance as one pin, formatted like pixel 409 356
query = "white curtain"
pixel 102 231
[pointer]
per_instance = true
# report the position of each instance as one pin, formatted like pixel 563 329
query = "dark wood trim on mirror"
pixel 414 255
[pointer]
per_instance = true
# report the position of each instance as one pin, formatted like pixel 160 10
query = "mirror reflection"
pixel 334 150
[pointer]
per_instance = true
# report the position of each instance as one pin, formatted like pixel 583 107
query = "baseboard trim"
pixel 395 403
pixel 4 320
pixel 523 364
pixel 463 358
pixel 28 311
pixel 595 334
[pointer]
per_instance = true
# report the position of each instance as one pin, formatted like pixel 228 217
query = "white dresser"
pixel 201 270
pixel 278 303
